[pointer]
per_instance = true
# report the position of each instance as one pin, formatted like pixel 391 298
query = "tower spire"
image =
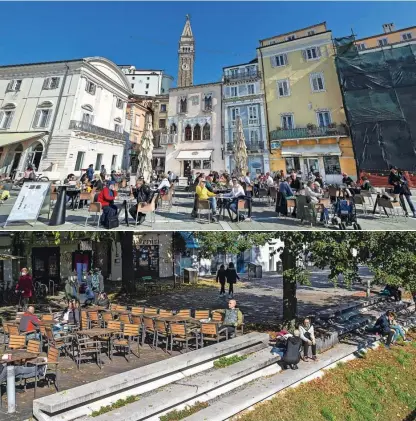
pixel 187 30
pixel 186 55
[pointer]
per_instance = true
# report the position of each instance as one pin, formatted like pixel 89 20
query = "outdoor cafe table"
pixel 97 332
pixel 18 357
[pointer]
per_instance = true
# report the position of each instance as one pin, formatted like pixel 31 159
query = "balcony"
pixel 242 76
pixel 169 139
pixel 207 109
pixel 94 131
pixel 251 146
pixel 309 132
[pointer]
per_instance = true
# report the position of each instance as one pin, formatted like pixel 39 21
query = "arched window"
pixel 43 115
pixel 208 103
pixel 9 106
pixel 45 104
pixel 117 120
pixel 183 105
pixel 197 132
pixel 206 134
pixel 188 132
pixel 173 128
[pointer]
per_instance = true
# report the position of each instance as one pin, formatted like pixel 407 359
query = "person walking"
pixel 401 189
pixel 90 172
pixel 221 278
pixel 25 287
pixel 232 278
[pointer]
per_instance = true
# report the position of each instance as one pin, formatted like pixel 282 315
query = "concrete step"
pixel 82 400
pixel 201 387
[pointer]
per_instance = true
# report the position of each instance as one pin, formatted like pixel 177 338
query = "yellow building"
pixel 390 37
pixel 305 114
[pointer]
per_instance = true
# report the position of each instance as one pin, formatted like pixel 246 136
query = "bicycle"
pixel 40 290
pixel 38 177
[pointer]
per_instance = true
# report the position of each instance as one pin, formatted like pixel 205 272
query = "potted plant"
pixel 311 128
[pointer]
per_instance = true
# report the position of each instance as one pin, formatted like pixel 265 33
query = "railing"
pixel 251 146
pixel 253 122
pixel 168 139
pixel 241 76
pixel 207 109
pixel 304 132
pixel 90 128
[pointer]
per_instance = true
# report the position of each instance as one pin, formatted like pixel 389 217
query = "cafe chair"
pixel 148 208
pixel 203 206
pixel 96 208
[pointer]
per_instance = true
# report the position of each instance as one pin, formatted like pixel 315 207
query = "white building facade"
pixel 194 139
pixel 62 116
pixel 243 97
pixel 147 82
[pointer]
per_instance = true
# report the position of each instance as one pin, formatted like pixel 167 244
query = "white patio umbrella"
pixel 240 150
pixel 146 151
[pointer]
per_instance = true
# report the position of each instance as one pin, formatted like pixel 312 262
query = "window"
pixel 90 88
pixel 113 162
pixel 137 120
pixel 331 165
pixel 87 118
pixel 118 128
pixel 6 118
pixel 173 128
pixel 197 132
pixel 206 132
pixel 51 83
pixel 163 108
pixel 250 89
pixel 234 72
pixel 206 164
pixel 147 86
pixel 132 86
pixel 233 91
pixel 146 92
pixel 280 60
pixel 292 164
pixel 324 118
pixel 133 78
pixel 162 123
pixel 42 118
pixel 283 88
pixel 252 115
pixel 208 103
pixel 148 78
pixel 98 161
pixel 407 36
pixel 311 33
pixel 235 112
pixel 119 103
pixel 196 165
pixel 188 132
pixel 291 37
pixel 317 82
pixel 361 46
pixel 312 53
pixel 79 162
pixel 287 121
pixel 14 85
pixel 254 136
pixel 382 42
pixel 182 105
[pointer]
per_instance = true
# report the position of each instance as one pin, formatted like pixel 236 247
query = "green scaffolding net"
pixel 379 91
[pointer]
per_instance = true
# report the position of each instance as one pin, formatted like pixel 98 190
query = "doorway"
pixel 146 260
pixel 311 165
pixel 16 158
pixel 46 263
pixel 187 169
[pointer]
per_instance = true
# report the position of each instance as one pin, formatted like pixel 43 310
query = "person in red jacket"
pixel 25 286
pixel 106 198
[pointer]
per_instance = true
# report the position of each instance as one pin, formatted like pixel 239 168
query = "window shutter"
pixel 46 83
pixel 37 117
pixel 91 119
pixel 56 82
pixel 10 86
pixel 304 55
pixel 285 59
pixel 10 120
pixel 86 85
pixel 94 87
pixel 1 118
pixel 318 51
pixel 49 118
pixel 273 61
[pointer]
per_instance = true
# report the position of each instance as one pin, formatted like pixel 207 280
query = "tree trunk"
pixel 289 290
pixel 127 270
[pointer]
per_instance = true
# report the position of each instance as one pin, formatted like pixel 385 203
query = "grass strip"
pixel 226 361
pixel 117 404
pixel 186 412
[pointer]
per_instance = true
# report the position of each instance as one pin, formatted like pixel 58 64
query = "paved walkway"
pixel 178 218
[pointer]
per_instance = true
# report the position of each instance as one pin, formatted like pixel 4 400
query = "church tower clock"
pixel 186 54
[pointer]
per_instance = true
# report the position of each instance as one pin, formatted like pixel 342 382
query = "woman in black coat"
pixel 291 356
pixel 232 278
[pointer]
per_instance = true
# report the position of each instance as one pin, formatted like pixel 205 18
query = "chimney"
pixel 388 27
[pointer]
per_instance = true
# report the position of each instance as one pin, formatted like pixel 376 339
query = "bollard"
pixel 11 390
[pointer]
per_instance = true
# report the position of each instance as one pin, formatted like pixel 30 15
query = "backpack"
pixel 163 191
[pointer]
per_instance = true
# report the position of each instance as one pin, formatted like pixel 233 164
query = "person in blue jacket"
pixel 383 327
pixel 90 172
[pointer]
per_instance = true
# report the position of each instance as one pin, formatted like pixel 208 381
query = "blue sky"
pixel 146 34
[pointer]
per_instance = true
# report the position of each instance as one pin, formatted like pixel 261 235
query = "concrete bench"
pixel 82 400
pixel 200 387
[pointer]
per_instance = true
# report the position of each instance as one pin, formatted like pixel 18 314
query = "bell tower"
pixel 186 55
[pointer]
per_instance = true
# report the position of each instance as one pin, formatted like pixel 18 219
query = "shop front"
pixel 194 161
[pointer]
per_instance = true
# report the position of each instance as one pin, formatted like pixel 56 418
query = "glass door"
pixel 311 166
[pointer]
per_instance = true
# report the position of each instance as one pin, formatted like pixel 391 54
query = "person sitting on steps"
pixel 307 334
pixel 383 327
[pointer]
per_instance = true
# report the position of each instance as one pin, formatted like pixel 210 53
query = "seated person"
pixel 29 174
pixel 233 317
pixel 285 188
pixel 29 323
pixel 89 297
pixel 319 180
pixel 291 354
pixel 307 334
pixel 295 183
pixel 392 291
pixel 246 179
pixel 103 300
pixel 164 186
pixel 348 181
pixel 398 331
pixel 383 328
pixel 98 182
pixel 366 184
pixel 237 193
pixel 314 197
pixel 204 194
pixel 280 345
pixel 106 197
pixel 144 195
pixel 71 314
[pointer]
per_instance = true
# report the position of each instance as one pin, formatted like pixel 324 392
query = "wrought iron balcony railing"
pixel 305 132
pixel 251 146
pixel 82 126
pixel 231 77
pixel 168 139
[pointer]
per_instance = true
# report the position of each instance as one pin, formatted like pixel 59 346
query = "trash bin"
pixel 190 276
pixel 255 271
